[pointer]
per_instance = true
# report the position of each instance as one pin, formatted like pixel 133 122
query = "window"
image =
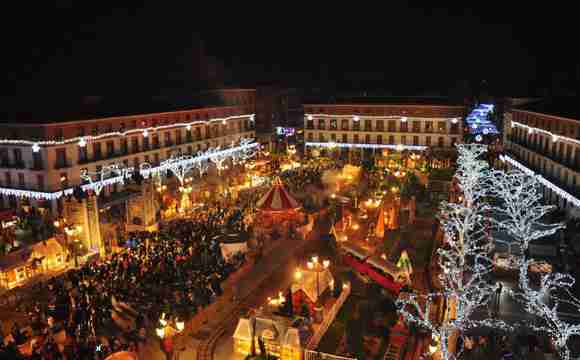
pixel 404 140
pixel 344 138
pixel 367 139
pixel 415 140
pixel 391 140
pixel 441 126
pixel 392 125
pixel 97 151
pixel 135 144
pixel 198 133
pixel 136 163
pixel 441 141
pixel 40 182
pixel 156 141
pixel 190 150
pixel 178 137
pixel 168 139
pixel 333 137
pixel 321 137
pixel 380 125
pixel 60 158
pixel 321 124
pixel 368 125
pixel 416 126
pixel 344 124
pixel 37 160
pixel 21 180
pixel 18 157
pixel 81 131
pixel 379 139
pixel 4 157
pixel 8 178
pixel 110 148
pixel 82 154
pixel 356 125
pixel 428 126
pixel 310 137
pixel 428 141
pixel 156 157
pixel 404 126
pixel 356 140
pixel 333 124
pixel 95 130
pixel 124 146
pixel 122 127
pixel 453 141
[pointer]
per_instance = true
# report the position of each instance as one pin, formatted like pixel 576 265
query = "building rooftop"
pixel 63 109
pixel 566 107
pixel 384 100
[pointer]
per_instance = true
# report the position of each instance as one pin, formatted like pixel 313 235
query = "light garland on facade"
pixel 245 148
pixel 560 192
pixel 555 137
pixel 119 133
pixel 361 117
pixel 399 147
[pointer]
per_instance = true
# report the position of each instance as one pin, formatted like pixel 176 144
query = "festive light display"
pixel 399 147
pixel 520 211
pixel 119 174
pixel 82 140
pixel 360 117
pixel 555 137
pixel 465 259
pixel 560 192
pixel 478 121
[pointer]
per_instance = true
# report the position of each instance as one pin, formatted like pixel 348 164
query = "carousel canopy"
pixel 277 199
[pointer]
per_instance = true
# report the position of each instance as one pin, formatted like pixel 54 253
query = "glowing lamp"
pixel 82 142
pixel 188 127
pixel 145 133
pixel 326 263
pixel 315 259
pixel 454 120
pixel 478 138
pixel 404 119
pixel 35 148
pixel 310 265
pixel 298 275
pixel 160 332
pixel 163 322
pixel 356 118
pixel 310 117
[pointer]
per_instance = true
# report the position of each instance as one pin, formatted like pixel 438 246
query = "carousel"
pixel 277 211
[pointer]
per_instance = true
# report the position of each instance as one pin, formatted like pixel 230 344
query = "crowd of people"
pixel 113 305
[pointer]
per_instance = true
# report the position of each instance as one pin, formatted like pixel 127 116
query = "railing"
pixel 329 318
pixel 317 355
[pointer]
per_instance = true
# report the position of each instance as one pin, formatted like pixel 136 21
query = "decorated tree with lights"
pixel 519 213
pixel 464 259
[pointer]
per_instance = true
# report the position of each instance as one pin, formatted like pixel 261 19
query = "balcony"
pixel 62 164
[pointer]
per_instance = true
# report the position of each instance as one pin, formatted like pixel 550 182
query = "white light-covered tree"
pixel 544 303
pixel 179 165
pixel 464 259
pixel 518 210
pixel 519 213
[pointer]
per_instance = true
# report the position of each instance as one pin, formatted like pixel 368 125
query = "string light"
pixel 560 192
pixel 121 174
pixel 145 133
pixel 188 127
pixel 546 132
pixel 118 133
pixel 398 147
pixel 35 148
pixel 454 120
pixel 82 142
pixel 404 119
pixel 478 138
pixel 360 117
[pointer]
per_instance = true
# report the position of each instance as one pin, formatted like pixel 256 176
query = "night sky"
pixel 66 48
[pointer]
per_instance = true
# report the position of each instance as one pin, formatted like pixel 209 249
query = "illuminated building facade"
pixel 383 124
pixel 543 137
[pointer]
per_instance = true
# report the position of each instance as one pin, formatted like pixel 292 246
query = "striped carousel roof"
pixel 277 199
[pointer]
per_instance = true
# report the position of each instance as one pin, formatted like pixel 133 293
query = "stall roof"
pixel 385 265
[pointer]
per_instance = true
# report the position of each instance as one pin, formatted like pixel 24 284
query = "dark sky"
pixel 66 48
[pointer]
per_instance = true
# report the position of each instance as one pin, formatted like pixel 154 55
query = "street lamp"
pixel 166 332
pixel 315 265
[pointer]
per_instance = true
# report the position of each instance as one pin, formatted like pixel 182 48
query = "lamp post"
pixel 166 332
pixel 318 266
